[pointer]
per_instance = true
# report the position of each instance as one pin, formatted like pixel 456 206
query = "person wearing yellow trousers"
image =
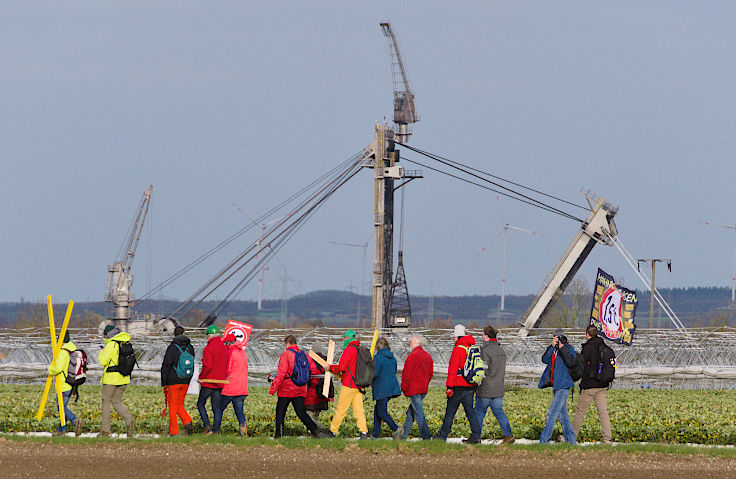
pixel 61 366
pixel 114 383
pixel 350 395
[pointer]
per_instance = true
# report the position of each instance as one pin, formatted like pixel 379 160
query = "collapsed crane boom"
pixel 404 108
pixel 119 279
pixel 597 228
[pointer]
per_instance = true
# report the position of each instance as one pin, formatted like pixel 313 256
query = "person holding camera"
pixel 558 357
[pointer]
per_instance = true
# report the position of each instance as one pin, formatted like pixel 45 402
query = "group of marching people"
pixel 475 380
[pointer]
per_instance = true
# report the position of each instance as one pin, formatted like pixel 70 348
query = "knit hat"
pixel 110 331
pixel 458 331
pixel 230 337
pixel 348 337
pixel 213 329
pixel 66 337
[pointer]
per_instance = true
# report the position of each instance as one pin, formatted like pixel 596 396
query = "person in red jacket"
pixel 214 366
pixel 349 392
pixel 315 402
pixel 286 388
pixel 418 371
pixel 459 391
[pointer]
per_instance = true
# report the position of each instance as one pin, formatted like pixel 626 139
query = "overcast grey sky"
pixel 217 103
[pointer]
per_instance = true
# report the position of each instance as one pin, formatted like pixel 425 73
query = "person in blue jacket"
pixel 558 357
pixel 385 386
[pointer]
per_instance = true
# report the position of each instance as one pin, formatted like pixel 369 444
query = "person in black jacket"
pixel 591 389
pixel 175 377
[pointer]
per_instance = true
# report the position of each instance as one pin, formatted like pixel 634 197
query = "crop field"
pixel 660 416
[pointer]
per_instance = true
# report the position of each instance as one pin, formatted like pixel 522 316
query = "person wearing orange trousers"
pixel 175 386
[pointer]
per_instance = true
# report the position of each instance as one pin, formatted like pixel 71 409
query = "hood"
pixel 386 352
pixel 236 346
pixel 181 340
pixel 69 346
pixel 122 337
pixel 465 341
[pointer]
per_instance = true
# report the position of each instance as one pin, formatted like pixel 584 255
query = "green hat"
pixel 213 329
pixel 349 336
pixel 66 336
pixel 108 328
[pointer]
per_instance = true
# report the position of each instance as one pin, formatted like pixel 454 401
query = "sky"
pixel 222 103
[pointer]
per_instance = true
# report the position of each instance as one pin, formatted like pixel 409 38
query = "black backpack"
pixel 365 368
pixel 126 359
pixel 606 372
pixel 577 368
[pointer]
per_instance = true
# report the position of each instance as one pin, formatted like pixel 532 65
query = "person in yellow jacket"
pixel 114 383
pixel 61 366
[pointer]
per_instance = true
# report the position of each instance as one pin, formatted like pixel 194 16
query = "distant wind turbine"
pixel 504 231
pixel 733 276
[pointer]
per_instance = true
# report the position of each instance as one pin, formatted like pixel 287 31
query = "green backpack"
pixel 184 367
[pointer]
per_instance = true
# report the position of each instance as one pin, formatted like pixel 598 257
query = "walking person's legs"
pixel 281 405
pixel 581 408
pixel 500 414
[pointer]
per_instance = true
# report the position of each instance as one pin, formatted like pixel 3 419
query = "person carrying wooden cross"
pixel 350 395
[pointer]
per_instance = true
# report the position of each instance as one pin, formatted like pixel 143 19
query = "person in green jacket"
pixel 114 383
pixel 61 366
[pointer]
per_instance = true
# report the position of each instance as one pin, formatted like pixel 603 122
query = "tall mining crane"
pixel 119 278
pixel 597 228
pixel 405 112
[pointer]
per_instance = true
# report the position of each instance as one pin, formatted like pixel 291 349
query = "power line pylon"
pixel 654 262
pixel 400 307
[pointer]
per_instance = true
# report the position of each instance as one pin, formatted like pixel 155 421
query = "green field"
pixel 666 416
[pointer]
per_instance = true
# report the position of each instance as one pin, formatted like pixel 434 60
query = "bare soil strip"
pixel 111 459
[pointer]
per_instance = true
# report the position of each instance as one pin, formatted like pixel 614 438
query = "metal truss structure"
pixel 658 358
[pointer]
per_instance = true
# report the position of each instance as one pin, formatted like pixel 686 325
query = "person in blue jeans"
pixel 558 357
pixel 491 390
pixel 418 371
pixel 384 387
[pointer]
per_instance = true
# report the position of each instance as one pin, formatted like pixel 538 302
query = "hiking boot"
pixel 207 431
pixel 131 429
pixel 363 436
pixel 508 440
pixel 77 427
pixel 470 440
pixel 243 431
pixel 325 434
pixel 398 433
pixel 189 429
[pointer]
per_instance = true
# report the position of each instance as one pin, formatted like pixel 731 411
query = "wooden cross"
pixel 325 364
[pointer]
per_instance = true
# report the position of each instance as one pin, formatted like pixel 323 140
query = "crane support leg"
pixel 596 229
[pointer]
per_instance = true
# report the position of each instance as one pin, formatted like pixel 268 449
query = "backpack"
pixel 577 368
pixel 365 368
pixel 184 367
pixel 474 369
pixel 300 373
pixel 77 372
pixel 126 359
pixel 606 372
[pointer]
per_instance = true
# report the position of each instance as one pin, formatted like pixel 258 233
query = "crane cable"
pixel 526 199
pixel 204 256
pixel 275 245
pixel 283 227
